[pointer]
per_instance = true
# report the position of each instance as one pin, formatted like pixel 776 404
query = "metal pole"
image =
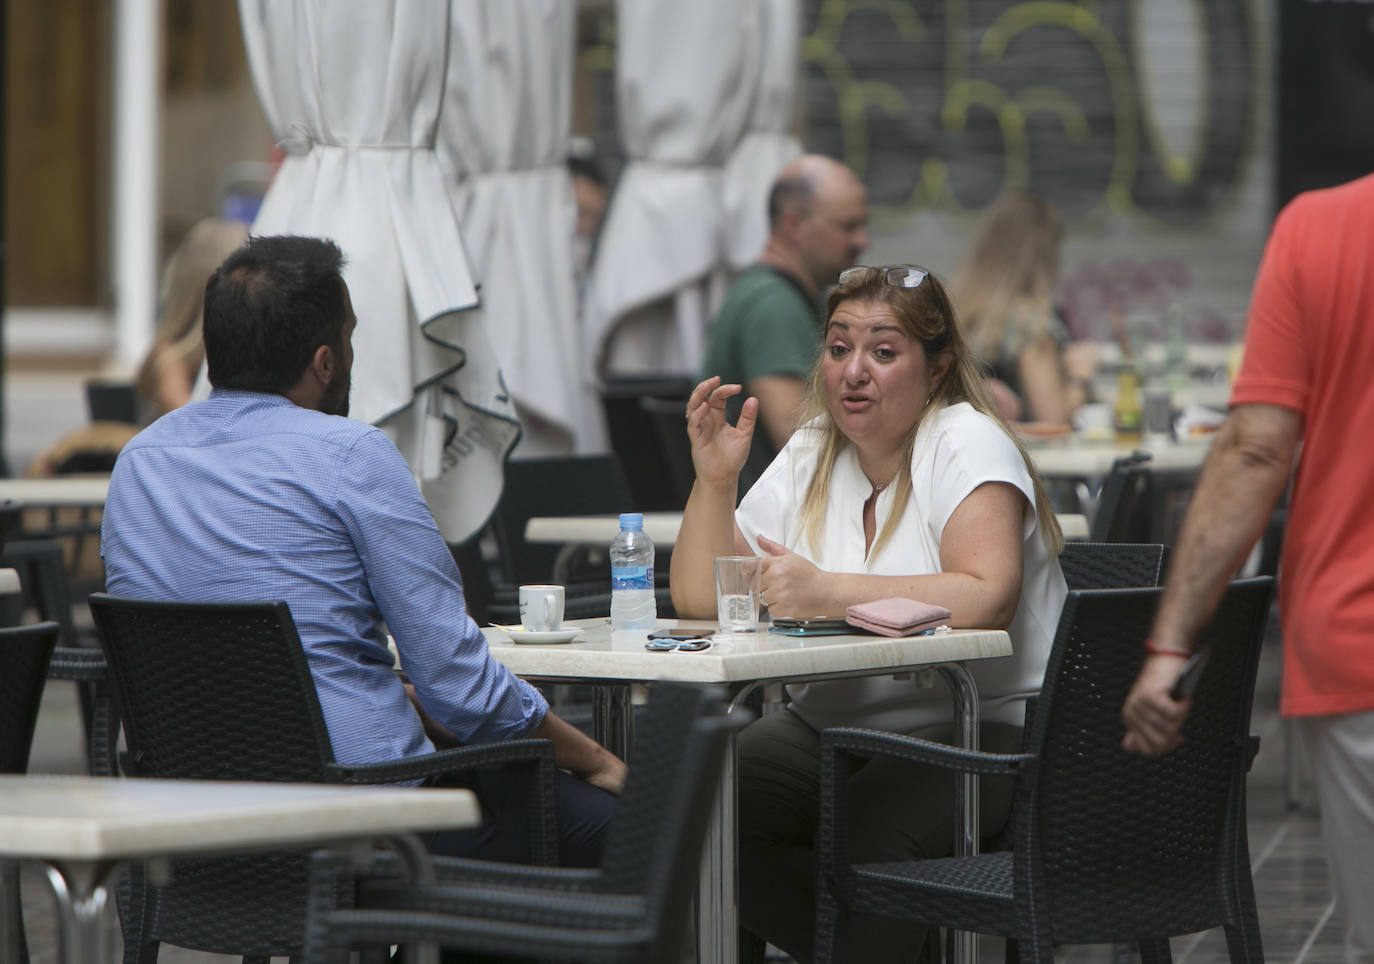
pixel 4 237
pixel 137 72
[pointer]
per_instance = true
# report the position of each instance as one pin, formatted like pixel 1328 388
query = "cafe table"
pixel 617 664
pixel 1072 457
pixel 82 830
pixel 59 491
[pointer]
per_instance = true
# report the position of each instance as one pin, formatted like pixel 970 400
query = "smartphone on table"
pixel 815 626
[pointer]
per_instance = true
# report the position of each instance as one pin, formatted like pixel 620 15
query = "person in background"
pixel 1004 291
pixel 767 332
pixel 265 490
pixel 1304 381
pixel 590 195
pixel 903 482
pixel 170 368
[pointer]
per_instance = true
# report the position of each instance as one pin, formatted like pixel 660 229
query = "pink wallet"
pixel 897 616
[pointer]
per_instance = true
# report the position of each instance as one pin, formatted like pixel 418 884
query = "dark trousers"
pixel 582 811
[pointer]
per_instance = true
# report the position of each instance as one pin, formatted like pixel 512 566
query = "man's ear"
pixel 791 221
pixel 322 364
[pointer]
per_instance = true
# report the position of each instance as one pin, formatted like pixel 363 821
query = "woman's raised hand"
pixel 719 449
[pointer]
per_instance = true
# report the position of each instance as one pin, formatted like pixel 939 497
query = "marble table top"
pixel 595 530
pixel 1071 457
pixel 102 818
pixel 599 654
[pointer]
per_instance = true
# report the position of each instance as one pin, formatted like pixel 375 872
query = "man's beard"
pixel 335 400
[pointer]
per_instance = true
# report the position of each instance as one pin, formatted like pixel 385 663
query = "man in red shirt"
pixel 1306 377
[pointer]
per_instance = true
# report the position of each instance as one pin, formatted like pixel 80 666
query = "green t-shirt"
pixel 767 326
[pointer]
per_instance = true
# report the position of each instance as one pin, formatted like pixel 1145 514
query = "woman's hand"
pixel 790 585
pixel 719 450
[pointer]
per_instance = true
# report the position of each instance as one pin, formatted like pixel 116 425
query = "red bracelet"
pixel 1154 650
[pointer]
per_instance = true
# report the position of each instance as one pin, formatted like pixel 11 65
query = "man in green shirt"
pixel 768 330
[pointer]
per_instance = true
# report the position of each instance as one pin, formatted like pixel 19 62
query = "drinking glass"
pixel 737 593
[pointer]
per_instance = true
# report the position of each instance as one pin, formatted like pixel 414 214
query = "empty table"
pixel 82 828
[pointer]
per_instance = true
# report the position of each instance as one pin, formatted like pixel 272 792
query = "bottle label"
pixel 632 577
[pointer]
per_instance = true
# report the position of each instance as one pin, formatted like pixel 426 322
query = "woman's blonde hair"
pixel 182 299
pixel 926 315
pixel 1010 269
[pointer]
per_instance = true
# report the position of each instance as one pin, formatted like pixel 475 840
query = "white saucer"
pixel 519 634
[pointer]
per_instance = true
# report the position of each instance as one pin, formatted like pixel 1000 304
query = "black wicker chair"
pixel 24 653
pixel 222 691
pixel 632 908
pixel 666 416
pixel 1123 503
pixel 1109 847
pixel 1113 565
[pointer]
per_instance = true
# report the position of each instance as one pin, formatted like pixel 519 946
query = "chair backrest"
pixel 636 441
pixel 215 691
pixel 1123 503
pixel 666 767
pixel 212 690
pixel 573 485
pixel 1118 839
pixel 111 401
pixel 1113 565
pixel 24 652
pixel 666 415
pixel 10 511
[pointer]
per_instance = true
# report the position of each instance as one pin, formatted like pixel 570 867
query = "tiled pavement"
pixel 1296 915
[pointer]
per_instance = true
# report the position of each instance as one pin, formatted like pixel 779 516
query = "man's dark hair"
pixel 268 307
pixel 792 192
pixel 586 167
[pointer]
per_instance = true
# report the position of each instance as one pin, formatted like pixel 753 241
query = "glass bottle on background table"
pixel 632 576
pixel 1126 412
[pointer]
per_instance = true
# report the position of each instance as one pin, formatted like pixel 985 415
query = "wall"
pixel 1147 124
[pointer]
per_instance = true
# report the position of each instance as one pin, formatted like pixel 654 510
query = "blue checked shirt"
pixel 247 496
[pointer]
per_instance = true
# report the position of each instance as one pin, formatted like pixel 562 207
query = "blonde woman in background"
pixel 169 371
pixel 1004 293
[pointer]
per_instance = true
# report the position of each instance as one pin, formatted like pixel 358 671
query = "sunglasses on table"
pixel 682 640
pixel 897 275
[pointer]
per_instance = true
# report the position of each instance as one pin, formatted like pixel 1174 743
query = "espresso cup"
pixel 541 608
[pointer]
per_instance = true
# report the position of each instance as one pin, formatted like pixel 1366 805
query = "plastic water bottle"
pixel 632 576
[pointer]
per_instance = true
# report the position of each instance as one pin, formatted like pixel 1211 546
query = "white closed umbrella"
pixel 768 142
pixel 353 90
pixel 684 84
pixel 503 140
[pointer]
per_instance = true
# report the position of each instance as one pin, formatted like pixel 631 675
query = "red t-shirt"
pixel 1310 347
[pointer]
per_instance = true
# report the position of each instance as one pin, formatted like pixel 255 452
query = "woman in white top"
pixel 902 482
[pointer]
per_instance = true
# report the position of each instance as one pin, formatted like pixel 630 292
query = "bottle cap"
pixel 632 520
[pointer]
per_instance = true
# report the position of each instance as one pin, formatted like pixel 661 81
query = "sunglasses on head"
pixel 897 275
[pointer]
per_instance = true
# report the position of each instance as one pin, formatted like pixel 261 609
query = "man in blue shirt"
pixel 264 491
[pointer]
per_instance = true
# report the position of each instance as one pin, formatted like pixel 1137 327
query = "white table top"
pixel 599 654
pixel 62 490
pixel 1071 457
pixel 662 527
pixel 595 530
pixel 102 818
